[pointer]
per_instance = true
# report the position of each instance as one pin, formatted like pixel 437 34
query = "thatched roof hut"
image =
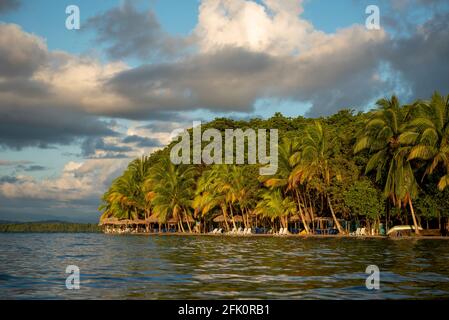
pixel 324 222
pixel 108 221
pixel 294 218
pixel 152 219
pixel 117 222
pixel 220 218
pixel 172 220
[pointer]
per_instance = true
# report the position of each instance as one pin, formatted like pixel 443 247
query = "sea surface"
pixel 33 266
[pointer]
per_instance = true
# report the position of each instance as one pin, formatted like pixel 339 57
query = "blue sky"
pixel 47 18
pixel 77 105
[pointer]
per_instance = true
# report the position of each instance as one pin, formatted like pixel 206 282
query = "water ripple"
pixel 32 266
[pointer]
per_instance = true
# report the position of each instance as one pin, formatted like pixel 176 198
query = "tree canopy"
pixel 374 164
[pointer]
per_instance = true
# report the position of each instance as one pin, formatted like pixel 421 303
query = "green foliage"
pixel 172 189
pixel 364 200
pixel 433 203
pixel 332 166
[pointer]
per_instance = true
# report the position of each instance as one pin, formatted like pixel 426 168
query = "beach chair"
pixel 214 231
pixel 248 231
pixel 220 231
pixel 240 231
pixel 363 232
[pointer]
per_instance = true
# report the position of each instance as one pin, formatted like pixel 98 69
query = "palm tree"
pixel 226 186
pixel 123 199
pixel 386 137
pixel 126 197
pixel 431 138
pixel 139 169
pixel 288 159
pixel 241 189
pixel 274 205
pixel 203 204
pixel 209 194
pixel 314 164
pixel 172 190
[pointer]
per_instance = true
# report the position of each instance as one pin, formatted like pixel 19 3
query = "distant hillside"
pixel 7 221
pixel 48 227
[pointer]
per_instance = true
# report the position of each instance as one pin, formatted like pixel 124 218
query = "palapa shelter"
pixel 152 219
pixel 135 225
pixel 175 220
pixel 109 221
pixel 294 218
pixel 221 218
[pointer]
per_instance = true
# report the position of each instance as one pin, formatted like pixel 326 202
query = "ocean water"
pixel 32 266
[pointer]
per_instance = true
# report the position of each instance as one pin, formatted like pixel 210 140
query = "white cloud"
pixel 273 26
pixel 77 181
pixel 72 166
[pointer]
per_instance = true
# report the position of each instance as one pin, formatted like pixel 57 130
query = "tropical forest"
pixel 387 166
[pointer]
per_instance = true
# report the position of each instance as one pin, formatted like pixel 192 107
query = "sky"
pixel 77 105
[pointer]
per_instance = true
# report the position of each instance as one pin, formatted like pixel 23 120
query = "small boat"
pixel 400 231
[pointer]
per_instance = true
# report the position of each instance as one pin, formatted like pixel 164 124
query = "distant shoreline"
pixel 49 227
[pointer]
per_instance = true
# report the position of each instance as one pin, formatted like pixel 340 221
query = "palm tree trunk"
pixel 245 218
pixel 415 222
pixel 301 214
pixel 387 215
pixel 309 208
pixel 248 222
pixel 232 217
pixel 225 215
pixel 340 229
pixel 182 227
pixel 188 223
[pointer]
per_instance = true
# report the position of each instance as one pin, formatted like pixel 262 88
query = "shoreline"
pixel 283 236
